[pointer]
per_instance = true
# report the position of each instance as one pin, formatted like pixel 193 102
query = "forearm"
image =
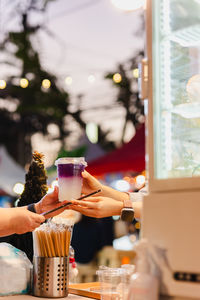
pixel 112 193
pixel 6 226
pixel 137 206
pixel 121 196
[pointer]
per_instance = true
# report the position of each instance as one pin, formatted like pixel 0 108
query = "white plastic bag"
pixel 15 271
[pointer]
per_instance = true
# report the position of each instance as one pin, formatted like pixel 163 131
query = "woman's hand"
pixel 90 183
pixel 49 202
pixel 97 207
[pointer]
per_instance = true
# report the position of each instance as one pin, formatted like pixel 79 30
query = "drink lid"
pixel 71 160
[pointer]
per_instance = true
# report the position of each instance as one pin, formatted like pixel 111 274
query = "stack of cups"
pixel 114 282
pixel 111 283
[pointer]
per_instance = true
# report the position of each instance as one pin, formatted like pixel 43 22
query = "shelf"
pixel 186 37
pixel 187 110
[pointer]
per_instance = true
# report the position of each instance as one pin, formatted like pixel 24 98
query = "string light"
pixel 136 73
pixel 2 84
pixel 137 225
pixel 91 78
pixel 46 83
pixel 92 132
pixel 18 188
pixel 117 78
pixel 24 83
pixel 68 80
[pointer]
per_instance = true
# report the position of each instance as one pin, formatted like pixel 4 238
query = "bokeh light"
pixel 54 183
pixel 91 78
pixel 2 84
pixel 140 180
pixel 46 83
pixel 18 188
pixel 24 83
pixel 68 80
pixel 117 78
pixel 92 132
pixel 136 73
pixel 121 185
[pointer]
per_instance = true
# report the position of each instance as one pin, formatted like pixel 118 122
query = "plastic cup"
pixel 111 283
pixel 69 171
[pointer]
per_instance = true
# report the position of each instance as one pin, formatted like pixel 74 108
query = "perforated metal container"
pixel 50 277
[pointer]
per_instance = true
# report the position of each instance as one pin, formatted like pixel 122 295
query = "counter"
pixel 28 297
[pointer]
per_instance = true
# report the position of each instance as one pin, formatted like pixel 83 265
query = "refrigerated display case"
pixel 171 214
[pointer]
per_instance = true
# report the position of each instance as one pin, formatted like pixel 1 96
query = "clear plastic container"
pixel 69 171
pixel 111 283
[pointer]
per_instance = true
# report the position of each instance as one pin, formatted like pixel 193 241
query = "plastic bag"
pixel 15 271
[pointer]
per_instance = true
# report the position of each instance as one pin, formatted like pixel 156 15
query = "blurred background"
pixel 69 87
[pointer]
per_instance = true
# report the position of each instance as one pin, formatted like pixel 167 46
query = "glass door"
pixel 175 72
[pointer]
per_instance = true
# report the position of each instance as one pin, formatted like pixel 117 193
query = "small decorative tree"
pixel 35 189
pixel 36 181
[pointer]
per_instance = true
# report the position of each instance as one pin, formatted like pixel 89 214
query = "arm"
pixel 18 220
pixel 101 207
pixel 90 183
pixel 110 202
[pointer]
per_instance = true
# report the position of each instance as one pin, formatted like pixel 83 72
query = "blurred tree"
pixel 128 95
pixel 34 106
pixel 32 109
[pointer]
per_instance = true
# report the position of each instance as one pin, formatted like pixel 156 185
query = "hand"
pixel 97 207
pixel 23 220
pixel 90 183
pixel 49 202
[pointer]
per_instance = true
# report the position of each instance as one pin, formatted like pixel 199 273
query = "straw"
pixel 52 240
pixel 66 204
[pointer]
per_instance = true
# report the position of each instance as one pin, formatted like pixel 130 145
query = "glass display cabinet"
pixel 174 93
pixel 171 214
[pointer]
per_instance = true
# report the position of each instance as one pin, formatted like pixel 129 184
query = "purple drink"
pixel 69 177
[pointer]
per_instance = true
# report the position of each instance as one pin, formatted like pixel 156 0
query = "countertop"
pixel 28 297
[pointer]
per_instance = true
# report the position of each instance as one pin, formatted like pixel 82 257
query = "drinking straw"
pixel 49 234
pixel 43 243
pixel 67 233
pixel 52 240
pixel 62 244
pixel 66 204
pixel 56 245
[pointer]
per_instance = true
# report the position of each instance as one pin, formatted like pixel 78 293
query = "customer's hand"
pixel 49 202
pixel 97 207
pixel 23 220
pixel 90 183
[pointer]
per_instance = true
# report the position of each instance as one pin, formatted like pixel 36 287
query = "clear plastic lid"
pixel 71 160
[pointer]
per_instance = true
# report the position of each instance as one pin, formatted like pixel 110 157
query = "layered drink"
pixel 69 171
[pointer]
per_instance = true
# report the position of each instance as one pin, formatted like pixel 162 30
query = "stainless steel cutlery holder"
pixel 50 277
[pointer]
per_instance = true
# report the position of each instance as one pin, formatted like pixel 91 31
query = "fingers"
pixel 85 174
pixel 38 218
pixel 84 204
pixel 88 199
pixel 85 211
